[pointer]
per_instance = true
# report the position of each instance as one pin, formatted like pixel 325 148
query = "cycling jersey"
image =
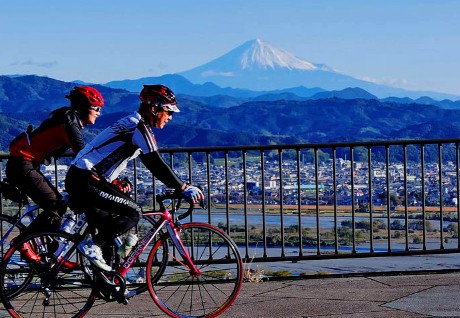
pixel 53 137
pixel 109 152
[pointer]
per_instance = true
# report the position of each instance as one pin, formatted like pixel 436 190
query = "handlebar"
pixel 177 195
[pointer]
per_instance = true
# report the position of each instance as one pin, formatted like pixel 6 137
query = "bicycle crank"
pixel 111 286
pixel 46 301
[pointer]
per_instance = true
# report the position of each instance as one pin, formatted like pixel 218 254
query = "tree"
pixel 397 225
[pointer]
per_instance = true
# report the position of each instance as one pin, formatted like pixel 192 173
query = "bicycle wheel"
pixel 49 287
pixel 178 293
pixel 8 231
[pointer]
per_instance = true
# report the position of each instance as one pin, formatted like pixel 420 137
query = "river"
pixel 289 219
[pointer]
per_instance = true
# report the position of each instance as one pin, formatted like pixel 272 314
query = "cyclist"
pixel 109 209
pixel 54 136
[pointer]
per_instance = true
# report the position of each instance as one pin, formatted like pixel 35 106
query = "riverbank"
pixel 293 208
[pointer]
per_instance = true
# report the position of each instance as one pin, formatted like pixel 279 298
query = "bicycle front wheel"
pixel 53 286
pixel 179 293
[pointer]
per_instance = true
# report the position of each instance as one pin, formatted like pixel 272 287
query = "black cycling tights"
pixel 108 210
pixel 28 178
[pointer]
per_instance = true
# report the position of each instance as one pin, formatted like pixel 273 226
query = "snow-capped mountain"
pixel 259 54
pixel 258 65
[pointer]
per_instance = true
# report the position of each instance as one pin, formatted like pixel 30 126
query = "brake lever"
pixel 201 202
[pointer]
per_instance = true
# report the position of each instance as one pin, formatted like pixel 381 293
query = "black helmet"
pixel 159 95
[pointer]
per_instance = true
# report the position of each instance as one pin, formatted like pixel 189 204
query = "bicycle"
pixel 192 270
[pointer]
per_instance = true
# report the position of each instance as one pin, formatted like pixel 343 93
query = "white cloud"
pixel 213 73
pixel 396 82
pixel 30 62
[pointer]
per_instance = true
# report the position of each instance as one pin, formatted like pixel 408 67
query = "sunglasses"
pixel 97 109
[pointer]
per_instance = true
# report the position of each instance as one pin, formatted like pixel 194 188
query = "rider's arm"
pixel 158 167
pixel 73 127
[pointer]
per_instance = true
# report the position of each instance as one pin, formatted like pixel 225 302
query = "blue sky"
pixel 413 44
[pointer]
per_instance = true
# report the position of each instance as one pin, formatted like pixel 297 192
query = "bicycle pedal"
pixel 123 301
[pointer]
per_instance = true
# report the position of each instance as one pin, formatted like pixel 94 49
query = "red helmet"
pixel 85 96
pixel 159 95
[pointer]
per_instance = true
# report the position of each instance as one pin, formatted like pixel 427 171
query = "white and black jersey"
pixel 109 152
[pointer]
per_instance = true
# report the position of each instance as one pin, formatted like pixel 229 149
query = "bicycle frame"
pixel 166 220
pixel 29 209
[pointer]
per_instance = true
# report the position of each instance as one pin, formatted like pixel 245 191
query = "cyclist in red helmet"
pixel 58 133
pixel 89 181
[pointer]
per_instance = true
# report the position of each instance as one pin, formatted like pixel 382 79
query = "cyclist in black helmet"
pixel 58 133
pixel 108 207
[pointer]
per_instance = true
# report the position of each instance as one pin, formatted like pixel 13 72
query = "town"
pixel 313 183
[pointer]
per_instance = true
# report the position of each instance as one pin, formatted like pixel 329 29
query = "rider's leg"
pixel 108 210
pixel 27 176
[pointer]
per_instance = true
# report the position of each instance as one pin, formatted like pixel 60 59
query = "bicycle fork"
pixel 177 242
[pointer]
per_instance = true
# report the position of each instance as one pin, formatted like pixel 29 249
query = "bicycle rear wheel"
pixel 49 287
pixel 180 294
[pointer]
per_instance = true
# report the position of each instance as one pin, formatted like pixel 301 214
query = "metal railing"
pixel 321 201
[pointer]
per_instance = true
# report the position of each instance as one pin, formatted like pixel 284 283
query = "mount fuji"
pixel 260 66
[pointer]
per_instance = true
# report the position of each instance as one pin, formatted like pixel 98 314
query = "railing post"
pixel 334 181
pixel 208 184
pixel 353 208
pixel 135 162
pixel 422 163
pixel 281 198
pixel 387 170
pixel 370 189
pixel 441 197
pixel 299 201
pixel 264 218
pixel 245 204
pixel 406 215
pixel 227 194
pixel 318 233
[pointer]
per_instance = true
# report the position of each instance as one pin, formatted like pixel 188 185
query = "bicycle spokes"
pixel 45 288
pixel 182 292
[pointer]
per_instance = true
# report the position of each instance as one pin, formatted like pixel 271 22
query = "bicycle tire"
pixel 45 288
pixel 6 223
pixel 179 294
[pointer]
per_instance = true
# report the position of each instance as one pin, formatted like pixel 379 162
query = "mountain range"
pixel 278 117
pixel 224 97
pixel 257 67
pixel 255 94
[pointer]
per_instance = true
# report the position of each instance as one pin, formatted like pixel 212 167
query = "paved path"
pixel 427 295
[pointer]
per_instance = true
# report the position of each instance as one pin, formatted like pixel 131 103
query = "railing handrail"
pixel 311 145
pixel 398 142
